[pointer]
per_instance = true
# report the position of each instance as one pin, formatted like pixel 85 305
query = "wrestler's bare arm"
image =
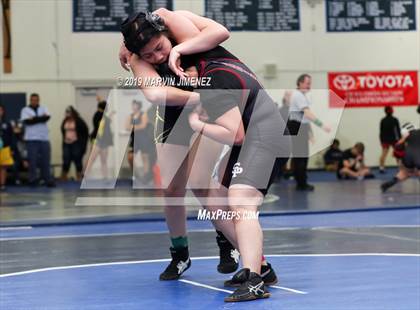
pixel 227 129
pixel 160 95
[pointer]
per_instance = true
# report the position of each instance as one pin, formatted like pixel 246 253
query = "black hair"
pixel 34 95
pixel 139 28
pixel 389 110
pixel 102 105
pixel 302 78
pixel 73 111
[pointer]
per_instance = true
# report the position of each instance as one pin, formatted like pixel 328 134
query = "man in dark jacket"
pixel 389 135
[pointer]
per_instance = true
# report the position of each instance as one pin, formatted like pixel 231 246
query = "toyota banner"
pixel 374 89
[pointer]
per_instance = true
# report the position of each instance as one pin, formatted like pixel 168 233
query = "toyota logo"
pixel 344 82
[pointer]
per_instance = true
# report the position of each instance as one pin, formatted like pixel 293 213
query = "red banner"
pixel 374 89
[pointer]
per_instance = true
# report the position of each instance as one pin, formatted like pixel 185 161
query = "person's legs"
pixel 408 166
pixel 300 165
pixel 402 175
pixel 146 166
pixel 250 171
pixel 3 174
pixel 385 150
pixel 130 159
pixel 17 164
pixel 33 149
pixel 300 149
pixel 94 153
pixel 172 161
pixel 347 172
pixel 103 156
pixel 365 172
pixel 45 154
pixel 173 166
pixel 225 226
pixel 77 154
pixel 66 161
pixel 203 157
pixel 175 162
pixel 244 201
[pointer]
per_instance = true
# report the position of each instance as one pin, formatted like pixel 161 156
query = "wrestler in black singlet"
pixel 265 148
pixel 411 158
pixel 167 117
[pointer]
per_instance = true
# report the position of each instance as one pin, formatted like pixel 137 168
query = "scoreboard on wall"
pixel 262 15
pixel 107 15
pixel 257 15
pixel 370 15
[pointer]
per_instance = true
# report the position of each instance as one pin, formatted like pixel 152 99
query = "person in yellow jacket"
pixel 6 136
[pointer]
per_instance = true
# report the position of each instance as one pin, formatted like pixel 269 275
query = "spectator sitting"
pixel 75 138
pixel 332 156
pixel 352 164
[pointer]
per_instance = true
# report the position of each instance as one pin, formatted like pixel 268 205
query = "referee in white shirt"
pixel 300 117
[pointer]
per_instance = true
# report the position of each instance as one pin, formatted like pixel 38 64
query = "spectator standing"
pixel 35 118
pixel 20 154
pixel 6 141
pixel 389 135
pixel 101 138
pixel 141 140
pixel 75 138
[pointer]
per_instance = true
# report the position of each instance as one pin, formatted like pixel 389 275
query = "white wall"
pixel 90 59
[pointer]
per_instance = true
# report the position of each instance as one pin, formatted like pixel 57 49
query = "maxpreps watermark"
pixel 205 215
pixel 163 81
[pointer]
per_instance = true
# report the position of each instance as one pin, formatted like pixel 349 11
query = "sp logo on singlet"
pixel 237 169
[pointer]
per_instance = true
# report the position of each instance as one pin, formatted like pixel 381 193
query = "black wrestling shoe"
pixel 387 185
pixel 180 262
pixel 229 256
pixel 267 274
pixel 305 188
pixel 253 288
